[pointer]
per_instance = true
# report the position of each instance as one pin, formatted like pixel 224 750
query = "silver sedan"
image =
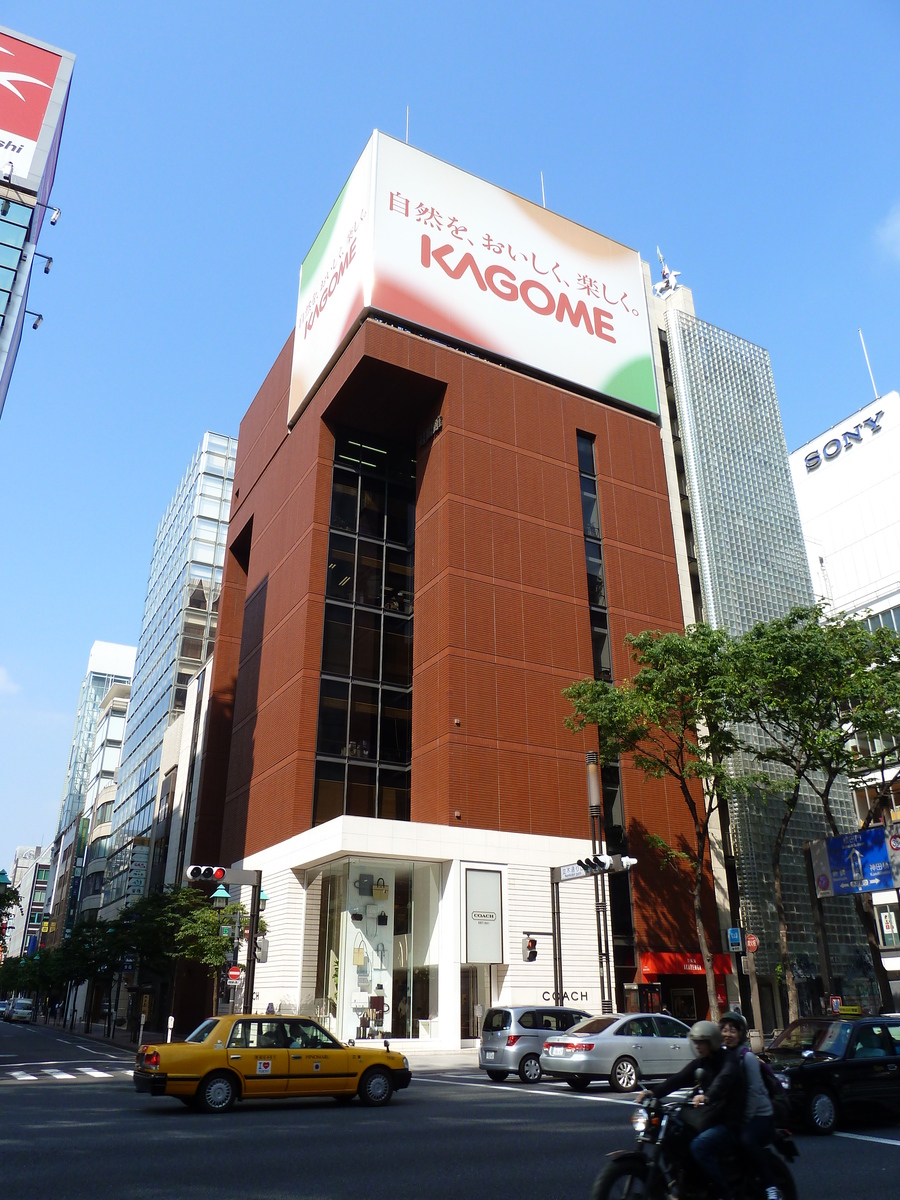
pixel 623 1048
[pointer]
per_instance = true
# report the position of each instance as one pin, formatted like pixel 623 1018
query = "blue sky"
pixel 204 144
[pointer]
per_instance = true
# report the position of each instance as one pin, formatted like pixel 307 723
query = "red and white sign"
pixel 234 973
pixel 752 943
pixel 665 962
pixel 27 76
pixel 414 238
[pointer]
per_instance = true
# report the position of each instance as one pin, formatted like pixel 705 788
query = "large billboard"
pixel 34 83
pixel 414 238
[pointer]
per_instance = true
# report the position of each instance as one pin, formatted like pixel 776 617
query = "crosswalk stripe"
pixel 21 1075
pixel 94 1073
pixel 57 1074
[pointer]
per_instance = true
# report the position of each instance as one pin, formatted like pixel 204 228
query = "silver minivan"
pixel 512 1038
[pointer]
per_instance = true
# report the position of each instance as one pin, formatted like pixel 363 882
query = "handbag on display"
pixel 356 916
pixel 364 884
pixel 382 918
pixel 359 953
pixel 371 910
pixel 379 889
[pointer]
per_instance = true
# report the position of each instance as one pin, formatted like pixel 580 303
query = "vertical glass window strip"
pixel 593 554
pixel 363 745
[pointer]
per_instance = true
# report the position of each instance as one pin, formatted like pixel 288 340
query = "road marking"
pixel 863 1137
pixel 94 1073
pixel 54 1074
pixel 21 1075
pixel 522 1092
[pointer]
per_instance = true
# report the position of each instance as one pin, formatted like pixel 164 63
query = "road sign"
pixel 234 973
pixel 735 945
pixel 752 943
pixel 835 1004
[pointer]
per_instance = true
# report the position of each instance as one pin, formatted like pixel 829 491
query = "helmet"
pixel 707 1031
pixel 736 1019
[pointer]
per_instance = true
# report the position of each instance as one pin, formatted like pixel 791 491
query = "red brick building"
pixel 416 569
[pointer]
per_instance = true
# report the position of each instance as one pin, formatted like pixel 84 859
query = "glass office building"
pixel 748 563
pixel 177 636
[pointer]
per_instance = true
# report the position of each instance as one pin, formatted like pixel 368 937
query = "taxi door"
pixel 258 1051
pixel 320 1066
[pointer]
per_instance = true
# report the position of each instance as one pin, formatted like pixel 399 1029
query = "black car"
pixel 834 1066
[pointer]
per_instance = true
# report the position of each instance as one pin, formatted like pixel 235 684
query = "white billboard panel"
pixel 414 238
pixel 484 917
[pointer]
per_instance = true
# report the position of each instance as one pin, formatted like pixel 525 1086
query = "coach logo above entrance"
pixel 832 448
pixel 484 916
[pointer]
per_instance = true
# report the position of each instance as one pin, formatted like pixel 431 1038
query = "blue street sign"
pixel 735 940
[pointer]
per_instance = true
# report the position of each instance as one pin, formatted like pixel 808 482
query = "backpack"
pixel 776 1093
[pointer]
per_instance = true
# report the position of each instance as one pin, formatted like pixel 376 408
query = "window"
pixel 639 1027
pixel 529 1020
pixel 670 1028
pixel 367 636
pixel 258 1035
pixel 309 1036
pixel 496 1020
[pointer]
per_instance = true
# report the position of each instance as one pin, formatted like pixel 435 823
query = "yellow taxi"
pixel 245 1057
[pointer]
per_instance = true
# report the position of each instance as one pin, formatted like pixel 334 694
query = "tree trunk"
pixel 699 925
pixel 787 970
pixel 866 919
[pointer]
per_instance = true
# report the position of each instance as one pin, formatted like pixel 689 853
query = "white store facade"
pixel 427 920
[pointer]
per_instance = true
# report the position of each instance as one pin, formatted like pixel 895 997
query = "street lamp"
pixel 220 897
pixel 262 901
pixel 4 882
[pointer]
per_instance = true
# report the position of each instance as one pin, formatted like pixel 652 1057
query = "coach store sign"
pixel 484 924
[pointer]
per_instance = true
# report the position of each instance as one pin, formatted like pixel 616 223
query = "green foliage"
pixel 669 856
pixel 159 930
pixel 8 901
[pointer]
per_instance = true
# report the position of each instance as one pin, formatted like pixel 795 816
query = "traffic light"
pixel 262 949
pixel 529 949
pixel 596 864
pixel 197 874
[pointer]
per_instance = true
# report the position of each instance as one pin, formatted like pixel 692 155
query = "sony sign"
pixel 847 441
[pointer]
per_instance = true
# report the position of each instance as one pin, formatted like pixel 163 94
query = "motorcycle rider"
pixel 758 1127
pixel 723 1093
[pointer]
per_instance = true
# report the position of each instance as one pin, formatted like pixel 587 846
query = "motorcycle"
pixel 661 1167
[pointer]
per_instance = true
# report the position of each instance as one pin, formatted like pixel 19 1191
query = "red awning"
pixel 668 963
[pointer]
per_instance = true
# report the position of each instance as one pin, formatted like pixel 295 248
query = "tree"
pixel 674 720
pixel 8 901
pixel 825 692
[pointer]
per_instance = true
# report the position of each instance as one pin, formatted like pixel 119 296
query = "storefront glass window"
pixel 378 949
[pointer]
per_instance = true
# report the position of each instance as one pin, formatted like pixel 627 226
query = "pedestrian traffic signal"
pixel 197 874
pixel 262 949
pixel 529 949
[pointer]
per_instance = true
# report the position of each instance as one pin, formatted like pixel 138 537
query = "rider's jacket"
pixel 726 1093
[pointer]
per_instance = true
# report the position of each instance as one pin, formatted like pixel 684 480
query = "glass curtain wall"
pixel 177 636
pixel 363 747
pixel 379 949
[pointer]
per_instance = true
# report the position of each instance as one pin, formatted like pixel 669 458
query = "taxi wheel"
pixel 530 1069
pixel 624 1076
pixel 821 1111
pixel 375 1088
pixel 217 1093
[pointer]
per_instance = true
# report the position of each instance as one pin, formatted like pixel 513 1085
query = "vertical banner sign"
pixel 414 238
pixel 484 924
pixel 855 862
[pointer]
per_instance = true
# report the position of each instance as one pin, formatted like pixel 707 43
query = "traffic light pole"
pixel 601 902
pixel 250 972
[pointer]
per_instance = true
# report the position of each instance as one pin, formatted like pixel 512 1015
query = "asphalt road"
pixel 72 1127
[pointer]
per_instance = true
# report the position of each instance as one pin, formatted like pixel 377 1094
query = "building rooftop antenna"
pixel 868 364
pixel 407 124
pixel 543 197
